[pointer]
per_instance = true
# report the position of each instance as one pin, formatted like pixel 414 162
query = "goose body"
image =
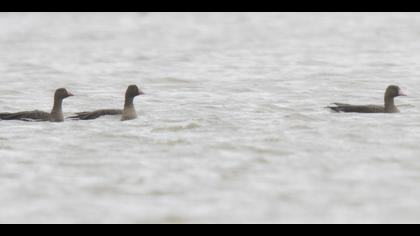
pixel 391 92
pixel 56 114
pixel 127 113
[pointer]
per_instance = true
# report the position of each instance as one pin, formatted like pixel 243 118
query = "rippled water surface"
pixel 232 127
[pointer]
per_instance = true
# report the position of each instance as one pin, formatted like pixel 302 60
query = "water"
pixel 232 129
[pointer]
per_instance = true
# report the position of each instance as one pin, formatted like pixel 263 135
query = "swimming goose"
pixel 128 113
pixel 389 107
pixel 56 114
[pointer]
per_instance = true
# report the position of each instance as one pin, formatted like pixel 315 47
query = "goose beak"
pixel 402 93
pixel 70 94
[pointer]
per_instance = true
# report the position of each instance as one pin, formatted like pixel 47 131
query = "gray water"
pixel 232 128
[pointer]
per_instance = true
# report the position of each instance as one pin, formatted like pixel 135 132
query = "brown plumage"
pixel 56 114
pixel 128 113
pixel 391 92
